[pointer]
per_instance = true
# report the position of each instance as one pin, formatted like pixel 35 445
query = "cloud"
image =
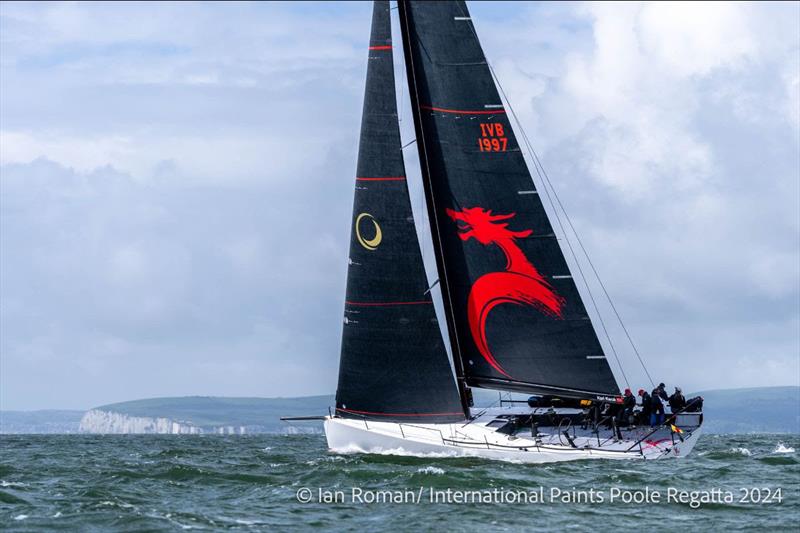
pixel 107 280
pixel 224 92
pixel 175 186
pixel 672 138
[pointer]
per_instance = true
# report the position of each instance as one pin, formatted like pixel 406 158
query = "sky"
pixel 176 183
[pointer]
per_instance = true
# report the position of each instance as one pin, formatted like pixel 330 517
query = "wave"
pixel 741 451
pixel 122 505
pixel 736 452
pixel 5 497
pixel 351 449
pixel 779 459
pixel 83 483
pixel 435 470
pixel 17 484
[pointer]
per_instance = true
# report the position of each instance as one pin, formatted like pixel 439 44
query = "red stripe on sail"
pixel 388 178
pixel 463 112
pixel 383 47
pixel 397 414
pixel 375 304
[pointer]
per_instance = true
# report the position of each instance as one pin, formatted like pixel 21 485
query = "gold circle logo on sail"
pixel 369 244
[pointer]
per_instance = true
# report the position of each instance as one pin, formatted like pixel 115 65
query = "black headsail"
pixel 394 365
pixel 515 316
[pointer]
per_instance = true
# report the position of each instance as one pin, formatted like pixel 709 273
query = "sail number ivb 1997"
pixel 492 138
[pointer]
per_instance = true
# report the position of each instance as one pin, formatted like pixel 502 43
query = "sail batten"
pixel 393 364
pixel 515 316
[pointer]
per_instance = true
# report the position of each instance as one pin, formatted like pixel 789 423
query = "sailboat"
pixel 515 319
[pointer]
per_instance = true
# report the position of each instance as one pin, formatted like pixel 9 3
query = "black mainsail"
pixel 393 365
pixel 515 316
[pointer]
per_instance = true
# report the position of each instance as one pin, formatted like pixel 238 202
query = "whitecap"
pixel 21 517
pixel 124 505
pixel 780 448
pixel 742 451
pixel 326 459
pixel 57 515
pixel 4 483
pixel 435 470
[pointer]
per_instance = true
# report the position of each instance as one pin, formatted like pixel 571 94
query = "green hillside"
pixel 753 410
pixel 208 411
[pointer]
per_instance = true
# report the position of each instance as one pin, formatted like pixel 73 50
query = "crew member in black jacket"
pixel 657 399
pixel 628 403
pixel 677 401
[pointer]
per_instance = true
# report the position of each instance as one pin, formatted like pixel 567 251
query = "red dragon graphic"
pixel 520 283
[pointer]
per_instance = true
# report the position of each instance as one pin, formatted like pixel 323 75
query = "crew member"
pixel 657 398
pixel 644 415
pixel 677 401
pixel 628 403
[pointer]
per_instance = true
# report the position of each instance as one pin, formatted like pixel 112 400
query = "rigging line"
pixel 546 182
pixel 597 275
pixel 539 172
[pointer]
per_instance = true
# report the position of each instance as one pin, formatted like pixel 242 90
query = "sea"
pixel 291 482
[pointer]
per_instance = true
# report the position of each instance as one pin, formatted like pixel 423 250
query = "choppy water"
pixel 134 483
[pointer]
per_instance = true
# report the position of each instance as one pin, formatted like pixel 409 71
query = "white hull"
pixel 478 439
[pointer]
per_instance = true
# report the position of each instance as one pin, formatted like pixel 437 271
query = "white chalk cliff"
pixel 99 421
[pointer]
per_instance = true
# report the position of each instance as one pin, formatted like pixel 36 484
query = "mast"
pixel 393 365
pixel 433 215
pixel 515 317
